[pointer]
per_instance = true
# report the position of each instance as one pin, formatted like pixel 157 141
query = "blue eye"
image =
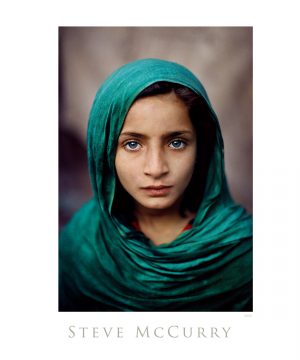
pixel 132 145
pixel 177 144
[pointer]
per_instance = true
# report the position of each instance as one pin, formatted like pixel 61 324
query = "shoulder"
pixel 76 253
pixel 83 223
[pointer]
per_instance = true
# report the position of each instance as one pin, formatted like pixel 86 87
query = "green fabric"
pixel 106 265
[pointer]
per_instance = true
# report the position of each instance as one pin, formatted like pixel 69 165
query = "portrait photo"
pixel 155 169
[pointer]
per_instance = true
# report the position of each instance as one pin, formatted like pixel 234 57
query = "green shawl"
pixel 106 265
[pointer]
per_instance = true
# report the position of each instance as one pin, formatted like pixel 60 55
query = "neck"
pixel 158 218
pixel 162 226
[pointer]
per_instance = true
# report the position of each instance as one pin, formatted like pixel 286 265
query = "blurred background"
pixel 221 57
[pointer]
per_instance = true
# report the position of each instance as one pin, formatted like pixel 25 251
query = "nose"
pixel 156 164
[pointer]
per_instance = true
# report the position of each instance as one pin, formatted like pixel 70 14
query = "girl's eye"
pixel 132 145
pixel 177 144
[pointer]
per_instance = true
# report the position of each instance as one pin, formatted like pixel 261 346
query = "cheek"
pixel 184 166
pixel 126 170
pixel 184 174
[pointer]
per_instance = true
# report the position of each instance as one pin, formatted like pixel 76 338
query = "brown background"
pixel 221 57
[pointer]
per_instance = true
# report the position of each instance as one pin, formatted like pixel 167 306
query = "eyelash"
pixel 184 143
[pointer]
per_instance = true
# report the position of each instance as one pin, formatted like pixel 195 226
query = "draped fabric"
pixel 107 265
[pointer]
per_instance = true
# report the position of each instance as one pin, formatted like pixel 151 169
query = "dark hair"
pixel 205 130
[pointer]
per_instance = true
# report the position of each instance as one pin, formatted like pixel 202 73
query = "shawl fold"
pixel 106 265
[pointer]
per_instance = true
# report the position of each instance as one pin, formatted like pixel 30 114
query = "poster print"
pixel 31 323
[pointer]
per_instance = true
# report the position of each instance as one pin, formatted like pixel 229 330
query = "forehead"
pixel 158 112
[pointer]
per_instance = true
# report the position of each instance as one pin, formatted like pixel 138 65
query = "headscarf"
pixel 106 265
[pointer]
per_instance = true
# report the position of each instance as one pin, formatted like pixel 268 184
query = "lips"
pixel 156 191
pixel 159 187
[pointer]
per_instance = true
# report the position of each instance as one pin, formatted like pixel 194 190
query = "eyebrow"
pixel 166 135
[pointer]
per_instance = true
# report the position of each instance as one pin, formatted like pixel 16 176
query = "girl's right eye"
pixel 132 145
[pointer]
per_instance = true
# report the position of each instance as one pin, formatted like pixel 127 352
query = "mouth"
pixel 156 191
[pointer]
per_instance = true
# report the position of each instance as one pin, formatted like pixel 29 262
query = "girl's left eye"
pixel 177 144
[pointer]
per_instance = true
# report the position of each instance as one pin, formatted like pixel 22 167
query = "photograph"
pixel 155 169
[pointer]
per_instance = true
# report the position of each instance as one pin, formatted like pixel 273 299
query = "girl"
pixel 162 232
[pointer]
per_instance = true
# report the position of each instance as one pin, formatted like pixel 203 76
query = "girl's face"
pixel 156 152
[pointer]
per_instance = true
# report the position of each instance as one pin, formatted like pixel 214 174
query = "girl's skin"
pixel 157 147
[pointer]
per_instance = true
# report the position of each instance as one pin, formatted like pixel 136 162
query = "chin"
pixel 158 204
